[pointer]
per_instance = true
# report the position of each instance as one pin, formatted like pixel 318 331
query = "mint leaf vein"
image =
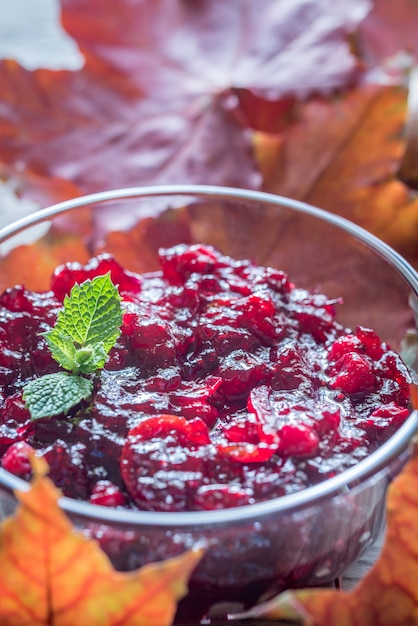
pixel 91 317
pixel 56 393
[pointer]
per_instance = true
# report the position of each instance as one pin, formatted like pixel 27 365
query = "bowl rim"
pixel 352 477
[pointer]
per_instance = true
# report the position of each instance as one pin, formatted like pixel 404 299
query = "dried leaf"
pixel 388 594
pixel 343 155
pixel 50 575
pixel 169 88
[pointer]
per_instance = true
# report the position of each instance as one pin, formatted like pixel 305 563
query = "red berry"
pixel 16 460
pixel 290 369
pixel 188 433
pixel 162 461
pixel 239 372
pixel 246 452
pixel 14 417
pixel 249 441
pixel 67 468
pixel 212 497
pixel 180 262
pixel 105 493
pixel 329 421
pixel 398 378
pixel 65 276
pixel 256 313
pixel 298 440
pixel 344 344
pixel 354 374
pixel 389 412
pixel 371 342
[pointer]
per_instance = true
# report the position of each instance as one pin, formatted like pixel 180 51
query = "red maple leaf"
pixel 170 88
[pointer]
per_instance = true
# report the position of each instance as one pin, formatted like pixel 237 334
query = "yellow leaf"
pixel 51 575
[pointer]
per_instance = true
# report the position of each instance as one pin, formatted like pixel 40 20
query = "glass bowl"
pixel 302 539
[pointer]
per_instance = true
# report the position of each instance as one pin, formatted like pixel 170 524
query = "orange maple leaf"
pixel 388 594
pixel 52 576
pixel 343 155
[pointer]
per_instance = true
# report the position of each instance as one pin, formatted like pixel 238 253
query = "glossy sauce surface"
pixel 229 385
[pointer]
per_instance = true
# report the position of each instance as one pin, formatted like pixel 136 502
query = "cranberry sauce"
pixel 228 385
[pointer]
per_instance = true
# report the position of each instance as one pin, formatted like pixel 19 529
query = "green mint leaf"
pixel 62 349
pixel 90 358
pixel 91 317
pixel 86 329
pixel 54 394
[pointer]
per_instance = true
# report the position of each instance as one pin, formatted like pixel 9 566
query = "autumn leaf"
pixel 390 30
pixel 43 191
pixel 343 154
pixel 388 594
pixel 170 88
pixel 52 576
pixel 55 248
pixel 189 92
pixel 246 94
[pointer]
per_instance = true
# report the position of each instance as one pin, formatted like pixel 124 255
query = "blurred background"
pixel 31 33
pixel 303 98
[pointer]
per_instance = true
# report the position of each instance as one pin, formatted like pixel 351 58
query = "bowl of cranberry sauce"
pixel 256 399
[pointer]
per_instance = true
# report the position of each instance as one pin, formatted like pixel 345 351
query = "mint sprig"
pixel 86 329
pixel 56 393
